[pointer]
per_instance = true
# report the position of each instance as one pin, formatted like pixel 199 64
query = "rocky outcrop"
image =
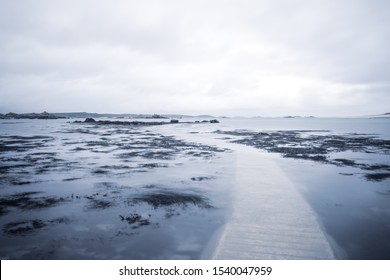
pixel 89 120
pixel 137 123
pixel 107 122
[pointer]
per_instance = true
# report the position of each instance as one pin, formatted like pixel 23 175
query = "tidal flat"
pixel 116 191
pixel 82 191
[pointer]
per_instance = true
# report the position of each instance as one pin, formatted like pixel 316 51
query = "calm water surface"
pixel 73 191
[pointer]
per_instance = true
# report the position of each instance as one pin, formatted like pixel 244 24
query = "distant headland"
pixel 89 118
pixel 44 116
pixel 81 115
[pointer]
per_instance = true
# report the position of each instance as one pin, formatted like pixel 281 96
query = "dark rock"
pixel 140 123
pixel 156 116
pixel 344 161
pixel 202 178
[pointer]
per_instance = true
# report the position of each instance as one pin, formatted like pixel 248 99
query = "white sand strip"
pixel 270 219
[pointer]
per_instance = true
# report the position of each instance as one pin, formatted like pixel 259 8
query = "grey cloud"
pixel 195 56
pixel 341 40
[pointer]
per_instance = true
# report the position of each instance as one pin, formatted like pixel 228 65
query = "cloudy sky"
pixel 221 57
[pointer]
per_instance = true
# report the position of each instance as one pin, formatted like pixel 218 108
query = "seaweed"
pixel 377 176
pixel 16 143
pixel 315 145
pixel 28 201
pixel 25 227
pixel 135 218
pixel 169 198
pixel 96 202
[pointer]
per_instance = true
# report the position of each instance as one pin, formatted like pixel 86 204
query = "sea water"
pixel 83 191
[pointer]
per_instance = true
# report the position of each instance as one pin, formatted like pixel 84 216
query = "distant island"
pixel 118 116
pixel 85 115
pixel 44 116
pixel 89 118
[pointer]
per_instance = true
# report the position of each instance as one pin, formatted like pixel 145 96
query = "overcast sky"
pixel 221 57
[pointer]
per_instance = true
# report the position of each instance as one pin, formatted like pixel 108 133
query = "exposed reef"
pixel 319 145
pixel 139 123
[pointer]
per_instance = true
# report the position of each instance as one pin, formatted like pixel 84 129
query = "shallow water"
pixel 81 191
pixel 72 191
pixel 349 188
